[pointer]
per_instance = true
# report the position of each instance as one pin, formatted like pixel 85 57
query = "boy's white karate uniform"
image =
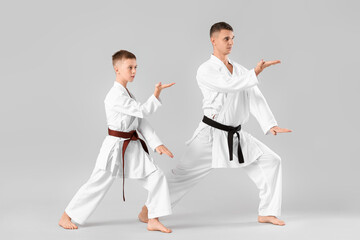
pixel 124 113
pixel 229 99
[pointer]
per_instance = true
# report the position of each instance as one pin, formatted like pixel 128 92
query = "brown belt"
pixel 132 136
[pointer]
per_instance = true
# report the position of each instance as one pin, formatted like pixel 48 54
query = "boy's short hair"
pixel 217 27
pixel 122 54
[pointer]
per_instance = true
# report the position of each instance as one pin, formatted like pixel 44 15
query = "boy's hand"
pixel 159 87
pixel 262 65
pixel 162 149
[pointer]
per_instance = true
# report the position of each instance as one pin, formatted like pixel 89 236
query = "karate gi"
pixel 124 113
pixel 229 99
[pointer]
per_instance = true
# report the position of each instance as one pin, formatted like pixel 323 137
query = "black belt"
pixel 231 131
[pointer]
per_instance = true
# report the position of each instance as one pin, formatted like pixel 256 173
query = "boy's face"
pixel 126 69
pixel 223 41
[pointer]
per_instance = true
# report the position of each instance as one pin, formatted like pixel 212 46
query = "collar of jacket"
pixel 214 59
pixel 119 86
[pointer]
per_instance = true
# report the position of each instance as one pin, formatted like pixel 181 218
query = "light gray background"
pixel 55 59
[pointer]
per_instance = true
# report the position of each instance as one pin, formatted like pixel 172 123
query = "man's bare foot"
pixel 65 222
pixel 143 215
pixel 271 219
pixel 155 225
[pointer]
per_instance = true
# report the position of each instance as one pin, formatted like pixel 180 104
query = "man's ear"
pixel 212 40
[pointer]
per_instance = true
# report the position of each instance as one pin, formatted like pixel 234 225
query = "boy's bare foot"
pixel 65 222
pixel 155 225
pixel 143 215
pixel 271 219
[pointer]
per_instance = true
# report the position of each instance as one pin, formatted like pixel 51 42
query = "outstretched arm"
pixel 262 65
pixel 162 149
pixel 211 78
pixel 127 105
pixel 151 138
pixel 159 87
pixel 260 109
pixel 275 130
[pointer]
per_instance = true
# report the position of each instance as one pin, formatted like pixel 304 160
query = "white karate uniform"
pixel 229 99
pixel 124 113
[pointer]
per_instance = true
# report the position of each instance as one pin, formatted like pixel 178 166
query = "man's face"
pixel 223 41
pixel 126 68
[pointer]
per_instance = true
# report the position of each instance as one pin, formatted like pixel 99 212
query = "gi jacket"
pixel 124 113
pixel 229 99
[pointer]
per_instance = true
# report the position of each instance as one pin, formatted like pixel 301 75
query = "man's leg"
pixel 193 166
pixel 266 174
pixel 158 202
pixel 87 198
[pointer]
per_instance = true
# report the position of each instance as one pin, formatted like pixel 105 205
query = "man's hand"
pixel 262 65
pixel 275 130
pixel 159 87
pixel 162 149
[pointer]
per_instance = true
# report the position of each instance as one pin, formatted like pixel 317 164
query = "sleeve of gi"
pixel 215 80
pixel 149 134
pixel 127 105
pixel 260 109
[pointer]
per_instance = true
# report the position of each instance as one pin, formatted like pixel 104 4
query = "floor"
pixel 40 222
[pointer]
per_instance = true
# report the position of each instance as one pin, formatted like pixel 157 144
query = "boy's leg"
pixel 158 202
pixel 88 197
pixel 266 174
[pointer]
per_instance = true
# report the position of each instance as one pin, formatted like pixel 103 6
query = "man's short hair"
pixel 122 54
pixel 217 27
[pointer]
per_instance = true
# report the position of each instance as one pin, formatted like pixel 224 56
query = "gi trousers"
pixel 195 164
pixel 93 191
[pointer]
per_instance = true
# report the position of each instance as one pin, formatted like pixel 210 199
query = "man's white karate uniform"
pixel 124 114
pixel 229 99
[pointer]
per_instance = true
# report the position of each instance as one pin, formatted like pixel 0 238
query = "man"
pixel 123 153
pixel 230 94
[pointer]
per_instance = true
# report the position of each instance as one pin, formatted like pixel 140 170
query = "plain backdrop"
pixel 55 70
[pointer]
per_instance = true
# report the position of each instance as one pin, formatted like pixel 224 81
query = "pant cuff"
pixel 276 213
pixel 157 214
pixel 74 218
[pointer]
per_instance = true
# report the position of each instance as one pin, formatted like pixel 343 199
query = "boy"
pixel 123 153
